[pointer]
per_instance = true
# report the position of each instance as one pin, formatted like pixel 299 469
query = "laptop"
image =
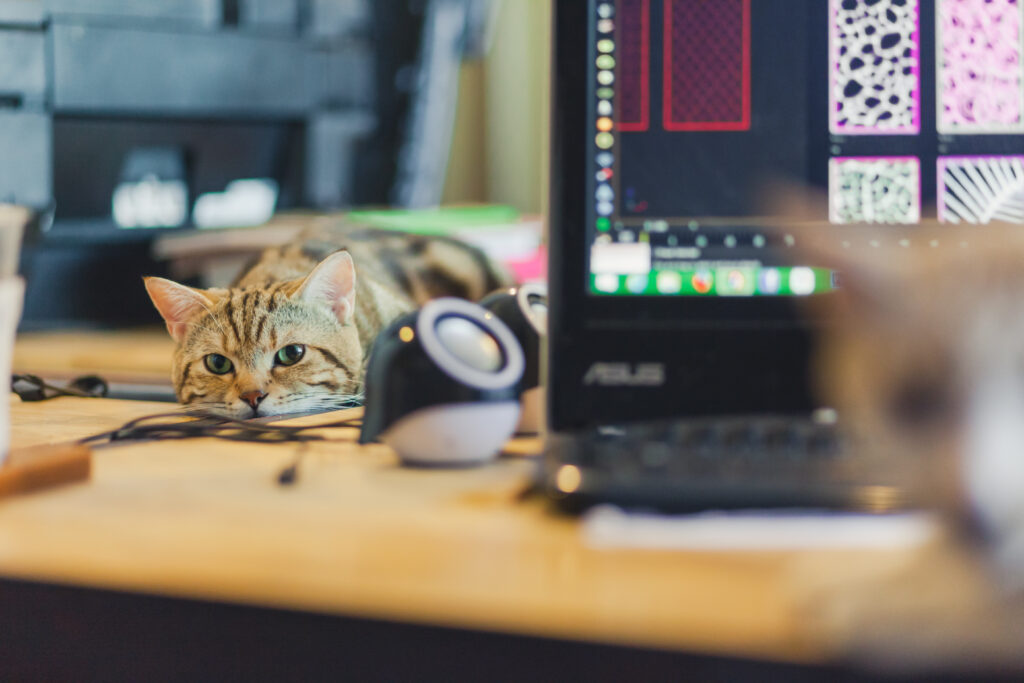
pixel 678 362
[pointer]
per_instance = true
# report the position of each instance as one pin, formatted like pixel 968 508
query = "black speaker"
pixel 443 384
pixel 525 310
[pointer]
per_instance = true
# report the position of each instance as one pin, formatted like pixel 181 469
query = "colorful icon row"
pixel 719 281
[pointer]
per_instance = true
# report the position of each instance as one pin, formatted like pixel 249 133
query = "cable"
pixel 289 475
pixel 170 426
pixel 32 388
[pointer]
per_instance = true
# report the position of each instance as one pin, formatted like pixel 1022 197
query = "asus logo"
pixel 625 375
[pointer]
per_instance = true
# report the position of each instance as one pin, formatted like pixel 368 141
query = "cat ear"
pixel 333 282
pixel 177 304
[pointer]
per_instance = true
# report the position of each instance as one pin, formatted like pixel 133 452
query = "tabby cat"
pixel 294 333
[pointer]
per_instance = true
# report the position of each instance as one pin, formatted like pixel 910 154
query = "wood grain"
pixel 65 419
pixel 126 355
pixel 360 535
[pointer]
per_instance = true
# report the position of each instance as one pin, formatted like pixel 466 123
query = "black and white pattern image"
pixel 875 57
pixel 981 189
pixel 874 190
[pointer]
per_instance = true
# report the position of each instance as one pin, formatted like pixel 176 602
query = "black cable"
pixel 170 426
pixel 289 475
pixel 183 424
pixel 209 425
pixel 33 388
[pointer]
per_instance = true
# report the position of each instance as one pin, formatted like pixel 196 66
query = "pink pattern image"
pixel 981 73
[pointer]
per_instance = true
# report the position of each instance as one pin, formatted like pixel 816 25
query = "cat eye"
pixel 218 364
pixel 290 355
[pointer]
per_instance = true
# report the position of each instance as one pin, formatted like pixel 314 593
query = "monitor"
pixel 674 292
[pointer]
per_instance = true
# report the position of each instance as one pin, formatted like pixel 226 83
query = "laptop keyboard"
pixel 706 463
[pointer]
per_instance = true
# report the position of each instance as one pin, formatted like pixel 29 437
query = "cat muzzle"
pixel 253 398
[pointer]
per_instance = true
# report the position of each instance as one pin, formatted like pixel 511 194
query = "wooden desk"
pixel 359 535
pixel 139 355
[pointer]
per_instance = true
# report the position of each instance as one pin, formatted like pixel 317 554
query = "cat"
pixel 921 351
pixel 923 355
pixel 294 332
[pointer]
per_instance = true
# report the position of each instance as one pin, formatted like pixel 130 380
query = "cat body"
pixel 925 356
pixel 294 333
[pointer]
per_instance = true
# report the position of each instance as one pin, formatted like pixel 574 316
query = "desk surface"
pixel 359 535
pixel 141 355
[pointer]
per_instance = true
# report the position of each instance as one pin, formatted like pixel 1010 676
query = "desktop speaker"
pixel 524 310
pixel 442 385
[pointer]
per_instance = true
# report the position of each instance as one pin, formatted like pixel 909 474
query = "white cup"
pixel 12 290
pixel 12 225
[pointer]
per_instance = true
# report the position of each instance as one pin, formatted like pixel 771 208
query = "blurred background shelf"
pixel 335 103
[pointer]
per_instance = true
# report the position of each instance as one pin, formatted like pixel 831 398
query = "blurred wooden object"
pixel 219 257
pixel 41 467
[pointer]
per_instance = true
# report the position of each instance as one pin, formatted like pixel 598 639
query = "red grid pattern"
pixel 633 65
pixel 707 65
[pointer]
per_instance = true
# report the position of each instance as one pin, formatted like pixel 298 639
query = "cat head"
pixel 924 352
pixel 284 348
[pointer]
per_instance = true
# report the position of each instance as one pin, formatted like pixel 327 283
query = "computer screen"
pixel 895 110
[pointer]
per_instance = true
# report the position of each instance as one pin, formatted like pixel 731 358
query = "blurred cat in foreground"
pixel 922 353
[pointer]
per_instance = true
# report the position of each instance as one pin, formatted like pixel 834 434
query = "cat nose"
pixel 253 397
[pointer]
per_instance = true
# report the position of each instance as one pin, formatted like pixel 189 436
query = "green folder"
pixel 441 221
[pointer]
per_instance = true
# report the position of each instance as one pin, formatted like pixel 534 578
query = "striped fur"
pixel 295 295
